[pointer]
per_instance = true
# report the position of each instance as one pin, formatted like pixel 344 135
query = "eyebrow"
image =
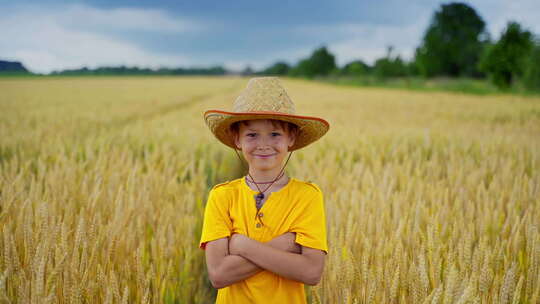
pixel 274 129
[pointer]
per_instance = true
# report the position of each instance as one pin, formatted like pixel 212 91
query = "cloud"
pixel 497 15
pixel 125 19
pixel 46 40
pixel 61 36
pixel 290 56
pixel 369 42
pixel 239 65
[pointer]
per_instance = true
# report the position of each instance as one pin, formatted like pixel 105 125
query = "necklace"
pixel 260 196
pixel 261 183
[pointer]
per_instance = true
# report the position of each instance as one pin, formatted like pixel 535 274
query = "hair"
pixel 289 127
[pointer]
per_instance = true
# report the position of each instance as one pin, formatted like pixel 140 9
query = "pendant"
pixel 258 200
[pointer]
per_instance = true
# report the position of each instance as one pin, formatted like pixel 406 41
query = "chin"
pixel 262 168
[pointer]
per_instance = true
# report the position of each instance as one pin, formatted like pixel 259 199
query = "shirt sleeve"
pixel 217 223
pixel 310 225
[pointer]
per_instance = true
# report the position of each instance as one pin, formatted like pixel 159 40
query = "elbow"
pixel 313 277
pixel 216 283
pixel 312 281
pixel 217 280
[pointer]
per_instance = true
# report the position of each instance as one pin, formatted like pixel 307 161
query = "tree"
pixel 452 43
pixel 303 68
pixel 278 68
pixel 247 71
pixel 412 68
pixel 355 68
pixel 506 60
pixel 531 79
pixel 390 66
pixel 320 63
pixel 323 62
pixel 12 67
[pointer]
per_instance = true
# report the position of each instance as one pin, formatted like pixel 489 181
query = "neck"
pixel 268 176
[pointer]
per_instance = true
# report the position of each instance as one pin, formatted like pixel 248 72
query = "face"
pixel 263 145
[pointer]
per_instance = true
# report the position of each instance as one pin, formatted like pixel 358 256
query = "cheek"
pixel 282 141
pixel 249 143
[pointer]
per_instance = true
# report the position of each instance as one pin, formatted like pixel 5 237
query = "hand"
pixel 237 242
pixel 286 242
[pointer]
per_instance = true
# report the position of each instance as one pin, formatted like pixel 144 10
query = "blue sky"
pixel 52 35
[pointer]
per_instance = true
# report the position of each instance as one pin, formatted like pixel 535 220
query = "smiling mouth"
pixel 264 156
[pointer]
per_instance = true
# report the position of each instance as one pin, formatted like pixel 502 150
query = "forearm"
pixel 289 265
pixel 235 268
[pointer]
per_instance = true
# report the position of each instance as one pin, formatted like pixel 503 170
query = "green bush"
pixel 531 79
pixel 505 61
pixel 356 68
pixel 278 68
pixel 320 63
pixel 390 67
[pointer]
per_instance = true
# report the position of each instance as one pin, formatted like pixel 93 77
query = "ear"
pixel 237 140
pixel 292 138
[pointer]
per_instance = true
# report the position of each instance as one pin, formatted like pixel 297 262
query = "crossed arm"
pixel 230 260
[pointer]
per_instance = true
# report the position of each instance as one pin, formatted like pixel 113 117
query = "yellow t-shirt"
pixel 297 207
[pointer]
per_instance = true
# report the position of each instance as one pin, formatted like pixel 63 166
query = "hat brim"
pixel 310 128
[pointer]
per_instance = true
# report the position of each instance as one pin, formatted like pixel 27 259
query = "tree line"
pixel 123 70
pixel 16 68
pixel 455 44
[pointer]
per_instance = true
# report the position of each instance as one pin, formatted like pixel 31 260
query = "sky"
pixel 49 35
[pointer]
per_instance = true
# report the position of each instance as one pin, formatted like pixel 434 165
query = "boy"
pixel 264 234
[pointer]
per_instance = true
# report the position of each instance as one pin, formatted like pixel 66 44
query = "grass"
pixel 430 197
pixel 438 84
pixel 444 84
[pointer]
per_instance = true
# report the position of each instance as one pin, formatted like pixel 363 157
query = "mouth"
pixel 264 156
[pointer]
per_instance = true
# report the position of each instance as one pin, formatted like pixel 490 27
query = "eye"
pixel 251 134
pixel 276 134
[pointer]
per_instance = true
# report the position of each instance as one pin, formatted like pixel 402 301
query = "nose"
pixel 262 143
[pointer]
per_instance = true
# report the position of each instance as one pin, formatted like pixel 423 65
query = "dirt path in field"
pixel 167 109
pixel 84 132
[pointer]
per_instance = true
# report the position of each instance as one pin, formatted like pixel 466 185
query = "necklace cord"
pixel 262 183
pixel 256 184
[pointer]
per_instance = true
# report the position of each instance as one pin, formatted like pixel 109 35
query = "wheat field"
pixel 430 197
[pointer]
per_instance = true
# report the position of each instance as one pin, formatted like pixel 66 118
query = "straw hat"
pixel 265 98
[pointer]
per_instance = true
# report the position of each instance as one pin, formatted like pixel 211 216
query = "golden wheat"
pixel 430 197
